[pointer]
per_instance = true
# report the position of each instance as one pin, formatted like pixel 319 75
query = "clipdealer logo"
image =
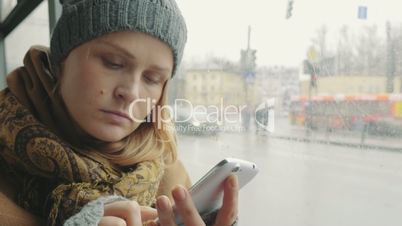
pixel 184 111
pixel 265 115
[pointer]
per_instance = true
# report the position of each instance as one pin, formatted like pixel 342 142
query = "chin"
pixel 109 132
pixel 111 135
pixel 109 138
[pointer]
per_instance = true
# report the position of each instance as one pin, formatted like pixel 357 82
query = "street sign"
pixel 312 54
pixel 362 12
pixel 250 76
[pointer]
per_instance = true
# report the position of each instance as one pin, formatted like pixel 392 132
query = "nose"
pixel 127 91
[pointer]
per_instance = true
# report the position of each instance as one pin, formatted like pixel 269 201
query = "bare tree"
pixel 320 42
pixel 370 54
pixel 344 52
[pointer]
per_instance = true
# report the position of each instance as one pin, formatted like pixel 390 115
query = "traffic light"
pixel 289 9
pixel 248 59
pixel 308 68
pixel 252 60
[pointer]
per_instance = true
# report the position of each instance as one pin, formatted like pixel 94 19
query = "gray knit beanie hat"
pixel 84 20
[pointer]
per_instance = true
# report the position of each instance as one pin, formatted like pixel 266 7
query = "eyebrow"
pixel 119 48
pixel 161 69
pixel 131 56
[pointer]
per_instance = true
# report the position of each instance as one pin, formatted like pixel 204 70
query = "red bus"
pixel 345 112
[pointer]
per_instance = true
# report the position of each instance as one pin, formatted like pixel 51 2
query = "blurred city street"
pixel 305 183
pixel 284 130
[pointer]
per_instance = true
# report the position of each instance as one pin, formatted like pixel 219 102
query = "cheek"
pixel 141 109
pixel 87 78
pixel 91 82
pixel 80 88
pixel 155 95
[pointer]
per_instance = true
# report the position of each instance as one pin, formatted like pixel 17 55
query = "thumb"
pixel 148 213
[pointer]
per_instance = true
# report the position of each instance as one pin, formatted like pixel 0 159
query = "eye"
pixel 152 79
pixel 112 63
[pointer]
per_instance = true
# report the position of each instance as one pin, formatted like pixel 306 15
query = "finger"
pixel 128 210
pixel 111 220
pixel 148 213
pixel 185 207
pixel 165 211
pixel 228 213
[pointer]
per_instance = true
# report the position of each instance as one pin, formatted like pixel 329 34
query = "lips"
pixel 118 115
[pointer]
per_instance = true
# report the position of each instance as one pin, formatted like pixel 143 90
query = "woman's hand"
pixel 226 216
pixel 126 213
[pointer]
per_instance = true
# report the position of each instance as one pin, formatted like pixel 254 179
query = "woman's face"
pixel 105 82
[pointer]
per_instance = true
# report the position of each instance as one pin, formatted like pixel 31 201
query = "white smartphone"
pixel 207 193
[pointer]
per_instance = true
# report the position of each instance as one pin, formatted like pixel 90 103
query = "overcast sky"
pixel 219 27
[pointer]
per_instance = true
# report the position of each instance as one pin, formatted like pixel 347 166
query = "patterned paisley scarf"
pixel 37 149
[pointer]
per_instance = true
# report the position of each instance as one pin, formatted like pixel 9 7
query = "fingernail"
pixel 162 204
pixel 233 182
pixel 179 194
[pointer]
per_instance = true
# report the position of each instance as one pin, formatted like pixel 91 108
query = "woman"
pixel 82 134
